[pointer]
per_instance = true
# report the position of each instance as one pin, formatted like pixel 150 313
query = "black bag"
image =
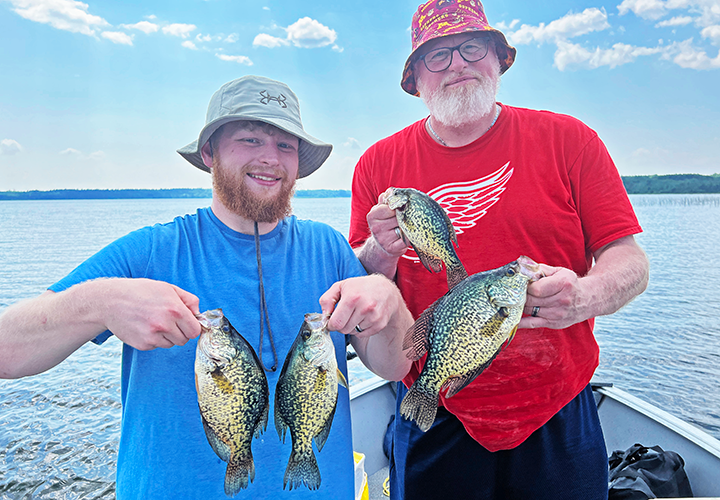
pixel 639 473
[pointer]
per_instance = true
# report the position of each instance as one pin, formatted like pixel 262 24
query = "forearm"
pixel 382 353
pixel 620 274
pixel 37 334
pixel 376 260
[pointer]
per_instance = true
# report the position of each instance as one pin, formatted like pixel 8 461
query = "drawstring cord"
pixel 264 317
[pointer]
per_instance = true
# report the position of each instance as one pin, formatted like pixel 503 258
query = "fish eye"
pixel 305 334
pixel 511 272
pixel 226 328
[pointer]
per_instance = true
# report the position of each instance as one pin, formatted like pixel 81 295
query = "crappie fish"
pixel 305 399
pixel 429 230
pixel 462 333
pixel 233 396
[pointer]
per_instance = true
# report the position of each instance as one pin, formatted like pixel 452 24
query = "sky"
pixel 100 95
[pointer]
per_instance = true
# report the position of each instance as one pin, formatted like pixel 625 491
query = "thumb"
pixel 330 298
pixel 190 300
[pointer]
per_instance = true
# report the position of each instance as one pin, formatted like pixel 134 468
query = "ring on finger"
pixel 535 311
pixel 398 233
pixel 358 329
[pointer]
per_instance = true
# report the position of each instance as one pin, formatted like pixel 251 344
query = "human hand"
pixel 147 314
pixel 384 228
pixel 362 306
pixel 559 300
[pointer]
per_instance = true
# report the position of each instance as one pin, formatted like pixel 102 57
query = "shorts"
pixel 565 459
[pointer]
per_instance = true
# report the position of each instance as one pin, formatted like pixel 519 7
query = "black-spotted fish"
pixel 462 333
pixel 233 396
pixel 305 399
pixel 429 230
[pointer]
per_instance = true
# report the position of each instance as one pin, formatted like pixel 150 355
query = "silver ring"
pixel 358 329
pixel 535 311
pixel 398 233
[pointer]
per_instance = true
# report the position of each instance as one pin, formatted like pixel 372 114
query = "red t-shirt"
pixel 538 184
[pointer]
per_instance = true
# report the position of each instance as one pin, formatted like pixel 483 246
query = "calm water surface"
pixel 59 430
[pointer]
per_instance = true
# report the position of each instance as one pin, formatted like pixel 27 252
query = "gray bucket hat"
pixel 258 98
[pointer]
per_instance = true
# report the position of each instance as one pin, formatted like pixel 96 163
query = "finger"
pixel 384 195
pixel 189 299
pixel 329 299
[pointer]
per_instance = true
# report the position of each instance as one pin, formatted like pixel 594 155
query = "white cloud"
pixel 713 33
pixel 238 59
pixel 352 143
pixel 232 38
pixel 266 8
pixel 305 33
pixel 67 15
pixel 647 9
pixel 269 41
pixel 189 45
pixel 505 27
pixel 178 29
pixel 570 54
pixel 338 49
pixel 97 155
pixel 144 26
pixel 118 37
pixel 308 33
pixel 10 147
pixel 675 21
pixel 686 56
pixel 568 26
pixel 205 38
pixel 70 151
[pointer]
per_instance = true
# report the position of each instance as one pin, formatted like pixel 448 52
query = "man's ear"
pixel 207 155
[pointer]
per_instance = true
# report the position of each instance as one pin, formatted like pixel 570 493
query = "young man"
pixel 242 252
pixel 515 182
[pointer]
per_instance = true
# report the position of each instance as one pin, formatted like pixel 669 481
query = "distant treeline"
pixel 114 194
pixel 636 184
pixel 672 184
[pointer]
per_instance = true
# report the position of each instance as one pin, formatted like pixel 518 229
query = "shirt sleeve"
pixel 126 257
pixel 602 201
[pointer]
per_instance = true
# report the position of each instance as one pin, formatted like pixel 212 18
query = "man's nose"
pixel 269 155
pixel 457 62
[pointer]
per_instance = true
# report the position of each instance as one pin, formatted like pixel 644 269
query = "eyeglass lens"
pixel 471 50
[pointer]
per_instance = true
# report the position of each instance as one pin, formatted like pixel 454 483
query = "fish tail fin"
pixel 455 274
pixel 419 406
pixel 240 472
pixel 302 469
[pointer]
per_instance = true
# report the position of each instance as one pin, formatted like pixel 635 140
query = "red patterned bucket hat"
pixel 438 18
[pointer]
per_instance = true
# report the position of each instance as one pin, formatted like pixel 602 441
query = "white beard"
pixel 464 105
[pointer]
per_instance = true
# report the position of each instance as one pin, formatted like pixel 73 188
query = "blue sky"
pixel 101 94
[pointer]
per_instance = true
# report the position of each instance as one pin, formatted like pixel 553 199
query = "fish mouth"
pixel 396 201
pixel 530 268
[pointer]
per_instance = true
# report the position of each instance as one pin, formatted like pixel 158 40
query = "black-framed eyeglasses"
pixel 471 50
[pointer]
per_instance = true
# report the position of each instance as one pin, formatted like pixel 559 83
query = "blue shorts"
pixel 565 459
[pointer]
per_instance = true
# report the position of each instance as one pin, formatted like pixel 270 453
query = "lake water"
pixel 59 430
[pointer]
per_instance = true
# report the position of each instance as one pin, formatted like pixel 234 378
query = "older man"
pixel 244 254
pixel 514 182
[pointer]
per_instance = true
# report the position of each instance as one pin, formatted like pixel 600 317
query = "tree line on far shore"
pixel 114 194
pixel 636 184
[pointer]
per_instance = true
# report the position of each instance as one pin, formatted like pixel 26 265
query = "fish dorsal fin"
pixel 510 337
pixel 262 423
pixel 457 383
pixel 432 264
pixel 455 275
pixel 220 448
pixel 322 436
pixel 450 227
pixel 416 340
pixel 341 379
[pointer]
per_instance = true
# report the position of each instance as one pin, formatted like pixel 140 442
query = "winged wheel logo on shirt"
pixel 467 202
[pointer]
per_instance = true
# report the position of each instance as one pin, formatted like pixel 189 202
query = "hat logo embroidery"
pixel 266 98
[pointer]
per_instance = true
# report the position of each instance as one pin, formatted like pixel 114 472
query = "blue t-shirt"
pixel 163 449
